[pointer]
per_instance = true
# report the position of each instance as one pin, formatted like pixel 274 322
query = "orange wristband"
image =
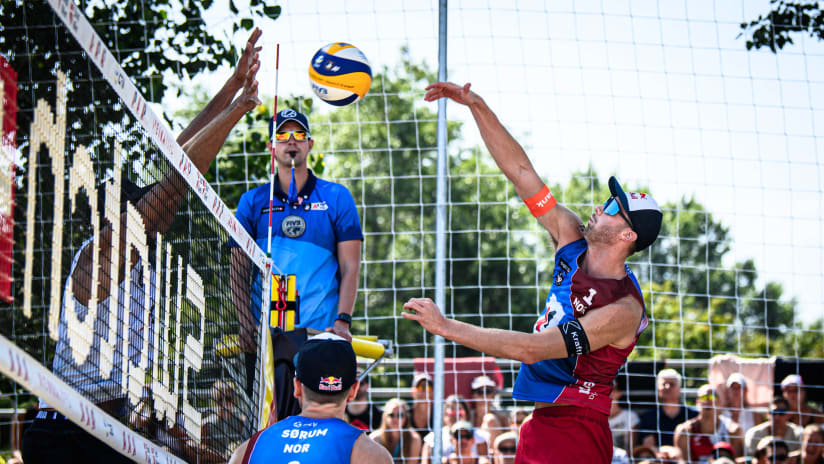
pixel 540 203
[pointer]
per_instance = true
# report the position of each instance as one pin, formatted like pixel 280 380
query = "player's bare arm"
pixel 563 225
pixel 615 324
pixel 366 450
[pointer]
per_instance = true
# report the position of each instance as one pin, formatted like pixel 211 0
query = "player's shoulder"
pixel 368 450
pixel 571 249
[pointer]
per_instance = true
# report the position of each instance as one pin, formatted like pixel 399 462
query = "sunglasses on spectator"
pixel 778 412
pixel 484 391
pixel 423 386
pixel 611 208
pixel 299 135
pixel 395 415
pixel 507 449
pixel 465 436
pixel 707 397
pixel 779 457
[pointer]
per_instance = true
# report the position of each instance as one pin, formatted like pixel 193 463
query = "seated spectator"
pixel 670 455
pixel 769 450
pixel 462 437
pixel 738 407
pixel 800 411
pixel 778 425
pixel 455 410
pixel 517 417
pixel 696 437
pixel 622 422
pixel 219 433
pixel 619 456
pixel 422 388
pixel 643 452
pixel 361 412
pixel 658 424
pixel 503 450
pixel 723 449
pixel 722 460
pixel 484 399
pixel 394 434
pixel 812 445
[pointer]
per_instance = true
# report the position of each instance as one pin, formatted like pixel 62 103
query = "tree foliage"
pixel 775 29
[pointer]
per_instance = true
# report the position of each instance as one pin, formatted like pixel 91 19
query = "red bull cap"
pixel 326 364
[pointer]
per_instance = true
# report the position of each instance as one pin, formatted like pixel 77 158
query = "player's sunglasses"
pixel 611 208
pixel 299 135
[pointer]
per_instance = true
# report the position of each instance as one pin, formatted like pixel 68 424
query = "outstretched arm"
pixel 561 223
pixel 614 324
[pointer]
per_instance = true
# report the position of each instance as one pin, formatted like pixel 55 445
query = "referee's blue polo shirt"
pixel 304 241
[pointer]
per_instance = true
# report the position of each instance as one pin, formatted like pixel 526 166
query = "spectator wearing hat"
pixel 504 447
pixel 723 449
pixel 697 436
pixel 421 416
pixel 622 422
pixel 738 408
pixel 812 445
pixel 658 424
pixel 778 425
pixel 800 412
pixel 325 380
pixel 462 437
pixel 484 399
pixel 456 410
pixel 771 450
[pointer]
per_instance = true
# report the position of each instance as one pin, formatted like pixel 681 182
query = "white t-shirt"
pixel 480 437
pixel 623 422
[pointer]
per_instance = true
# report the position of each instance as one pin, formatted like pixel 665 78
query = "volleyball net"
pixel 121 266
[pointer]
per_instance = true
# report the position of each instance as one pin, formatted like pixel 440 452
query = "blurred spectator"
pixel 455 409
pixel 794 457
pixel 484 400
pixel 697 436
pixel 220 431
pixel 394 434
pixel 722 449
pixel 619 456
pixel 670 455
pixel 360 412
pixel 770 450
pixel 722 460
pixel 517 417
pixel 812 445
pixel 778 425
pixel 658 424
pixel 462 438
pixel 505 445
pixel 800 411
pixel 422 404
pixel 622 422
pixel 738 407
pixel 643 452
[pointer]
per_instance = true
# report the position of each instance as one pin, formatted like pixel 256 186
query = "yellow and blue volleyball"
pixel 340 74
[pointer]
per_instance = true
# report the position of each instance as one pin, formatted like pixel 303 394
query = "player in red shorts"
pixel 594 312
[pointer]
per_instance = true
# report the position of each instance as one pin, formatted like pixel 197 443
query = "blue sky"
pixel 660 92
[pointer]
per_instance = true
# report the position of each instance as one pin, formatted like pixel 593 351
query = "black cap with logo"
pixel 326 364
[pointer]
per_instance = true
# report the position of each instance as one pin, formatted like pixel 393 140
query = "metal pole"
pixel 440 238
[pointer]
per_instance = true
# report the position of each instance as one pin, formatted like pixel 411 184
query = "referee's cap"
pixel 286 115
pixel 326 364
pixel 644 213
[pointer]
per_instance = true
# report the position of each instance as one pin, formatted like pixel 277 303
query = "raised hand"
pixel 249 61
pixel 248 98
pixel 458 94
pixel 426 313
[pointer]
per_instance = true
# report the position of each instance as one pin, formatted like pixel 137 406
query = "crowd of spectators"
pixel 477 430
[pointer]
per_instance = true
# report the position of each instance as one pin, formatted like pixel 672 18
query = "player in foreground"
pixel 325 380
pixel 594 311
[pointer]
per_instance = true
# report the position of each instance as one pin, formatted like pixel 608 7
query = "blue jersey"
pixel 584 380
pixel 305 236
pixel 305 441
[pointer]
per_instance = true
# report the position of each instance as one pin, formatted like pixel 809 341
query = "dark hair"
pixel 781 400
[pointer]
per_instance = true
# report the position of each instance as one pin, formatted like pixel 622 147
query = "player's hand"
pixel 426 313
pixel 248 99
pixel 341 329
pixel 248 59
pixel 458 94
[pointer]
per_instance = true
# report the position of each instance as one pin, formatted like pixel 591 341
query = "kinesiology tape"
pixel 540 203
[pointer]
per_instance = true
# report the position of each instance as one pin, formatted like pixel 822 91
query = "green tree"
pixel 776 28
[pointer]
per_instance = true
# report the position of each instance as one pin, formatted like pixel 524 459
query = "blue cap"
pixel 287 115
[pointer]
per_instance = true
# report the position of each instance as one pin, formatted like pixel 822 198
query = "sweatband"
pixel 540 203
pixel 575 338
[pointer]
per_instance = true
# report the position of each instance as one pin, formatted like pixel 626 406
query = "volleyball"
pixel 340 74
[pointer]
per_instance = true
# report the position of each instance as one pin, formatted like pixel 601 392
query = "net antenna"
pixel 272 170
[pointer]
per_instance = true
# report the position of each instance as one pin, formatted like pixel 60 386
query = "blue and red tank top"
pixel 584 380
pixel 303 440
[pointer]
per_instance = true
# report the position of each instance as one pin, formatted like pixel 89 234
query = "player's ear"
pixel 269 145
pixel 628 235
pixel 353 391
pixel 298 388
pixel 311 143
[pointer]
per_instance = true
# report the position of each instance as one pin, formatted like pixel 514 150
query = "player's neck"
pixel 284 176
pixel 603 262
pixel 323 411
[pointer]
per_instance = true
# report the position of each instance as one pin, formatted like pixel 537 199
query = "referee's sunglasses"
pixel 612 207
pixel 299 135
